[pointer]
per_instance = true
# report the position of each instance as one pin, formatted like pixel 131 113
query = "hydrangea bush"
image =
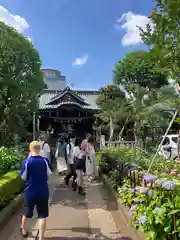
pixel 9 159
pixel 154 201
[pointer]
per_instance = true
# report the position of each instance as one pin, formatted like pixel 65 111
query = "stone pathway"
pixel 74 217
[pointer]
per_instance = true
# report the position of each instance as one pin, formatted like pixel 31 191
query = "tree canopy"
pixel 149 94
pixel 138 68
pixel 163 36
pixel 112 101
pixel 21 81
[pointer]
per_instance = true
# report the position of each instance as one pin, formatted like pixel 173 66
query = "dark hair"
pixel 88 135
pixel 91 139
pixel 77 142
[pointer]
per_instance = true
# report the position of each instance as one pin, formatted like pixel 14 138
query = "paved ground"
pixel 73 217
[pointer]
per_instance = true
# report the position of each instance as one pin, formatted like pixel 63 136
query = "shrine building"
pixel 66 109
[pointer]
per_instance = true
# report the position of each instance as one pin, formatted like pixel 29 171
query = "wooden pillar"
pixel 38 124
pixel 34 126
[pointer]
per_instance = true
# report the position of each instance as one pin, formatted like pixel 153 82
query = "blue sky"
pixel 83 38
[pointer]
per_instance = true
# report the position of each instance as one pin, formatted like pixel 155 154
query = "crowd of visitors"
pixel 78 159
pixel 74 157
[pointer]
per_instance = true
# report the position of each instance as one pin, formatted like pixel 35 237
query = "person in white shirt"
pixel 91 169
pixel 45 148
pixel 78 158
pixel 70 164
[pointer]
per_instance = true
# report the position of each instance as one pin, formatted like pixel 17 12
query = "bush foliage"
pixel 10 186
pixel 9 159
pixel 154 201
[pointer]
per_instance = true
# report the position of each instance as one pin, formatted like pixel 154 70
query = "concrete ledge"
pixel 10 209
pixel 123 210
pixel 121 207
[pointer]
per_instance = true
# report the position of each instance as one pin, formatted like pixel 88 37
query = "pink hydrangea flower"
pixel 137 188
pixel 144 190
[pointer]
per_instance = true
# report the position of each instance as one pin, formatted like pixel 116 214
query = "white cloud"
pixel 15 21
pixel 79 61
pixel 130 22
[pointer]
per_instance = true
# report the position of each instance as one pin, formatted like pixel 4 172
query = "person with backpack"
pixel 70 164
pixel 60 155
pixel 78 158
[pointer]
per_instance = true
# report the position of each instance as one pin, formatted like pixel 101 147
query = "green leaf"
pixel 168 229
pixel 21 82
pixel 174 211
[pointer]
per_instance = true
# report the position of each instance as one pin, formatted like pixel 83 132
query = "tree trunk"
pixel 136 124
pixel 121 132
pixel 111 129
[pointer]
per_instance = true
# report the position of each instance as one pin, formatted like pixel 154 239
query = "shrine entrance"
pixel 69 119
pixel 67 111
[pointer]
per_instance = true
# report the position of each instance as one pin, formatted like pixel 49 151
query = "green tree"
pixel 149 111
pixel 112 103
pixel 21 82
pixel 138 68
pixel 149 93
pixel 163 37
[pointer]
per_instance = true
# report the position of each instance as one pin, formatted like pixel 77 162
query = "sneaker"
pixel 66 181
pixel 81 191
pixel 74 186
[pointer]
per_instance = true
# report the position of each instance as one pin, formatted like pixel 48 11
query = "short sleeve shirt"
pixel 35 171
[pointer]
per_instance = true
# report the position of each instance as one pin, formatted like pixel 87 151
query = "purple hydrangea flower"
pixel 132 190
pixel 142 220
pixel 169 185
pixel 160 181
pixel 133 208
pixel 130 214
pixel 137 200
pixel 149 178
pixel 150 193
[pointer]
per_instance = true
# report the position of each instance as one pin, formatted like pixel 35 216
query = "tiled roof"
pixel 89 97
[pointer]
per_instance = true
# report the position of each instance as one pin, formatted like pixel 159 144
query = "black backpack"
pixel 70 147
